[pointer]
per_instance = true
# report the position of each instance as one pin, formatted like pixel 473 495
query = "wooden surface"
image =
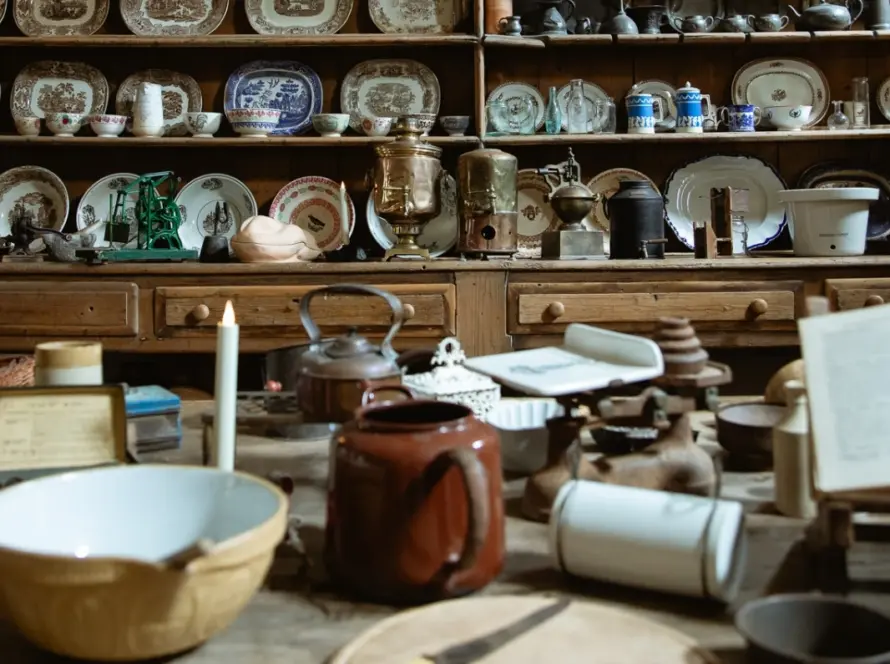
pixel 298 619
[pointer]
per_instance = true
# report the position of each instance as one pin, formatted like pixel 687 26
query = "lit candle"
pixel 225 390
pixel 344 215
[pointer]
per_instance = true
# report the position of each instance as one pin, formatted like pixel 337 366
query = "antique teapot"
pixel 827 16
pixel 333 374
pixel 415 510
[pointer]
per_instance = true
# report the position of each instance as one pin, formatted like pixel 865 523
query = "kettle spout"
pixel 793 11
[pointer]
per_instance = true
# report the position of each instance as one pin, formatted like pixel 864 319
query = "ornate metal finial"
pixel 449 353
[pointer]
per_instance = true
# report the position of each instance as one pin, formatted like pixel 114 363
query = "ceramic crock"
pixel 414 511
pixel 692 108
pixel 636 220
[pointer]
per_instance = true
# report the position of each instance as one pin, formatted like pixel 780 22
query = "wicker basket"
pixel 16 370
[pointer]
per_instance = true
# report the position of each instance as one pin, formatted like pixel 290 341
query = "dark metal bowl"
pixel 745 430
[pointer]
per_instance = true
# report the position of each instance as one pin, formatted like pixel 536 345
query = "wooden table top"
pixel 296 620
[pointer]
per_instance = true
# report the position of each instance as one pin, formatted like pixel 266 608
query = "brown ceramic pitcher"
pixel 415 511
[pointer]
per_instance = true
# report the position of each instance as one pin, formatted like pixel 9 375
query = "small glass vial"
pixel 578 118
pixel 497 121
pixel 861 102
pixel 606 117
pixel 552 116
pixel 837 120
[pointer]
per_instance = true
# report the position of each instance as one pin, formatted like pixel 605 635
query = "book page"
pixel 847 360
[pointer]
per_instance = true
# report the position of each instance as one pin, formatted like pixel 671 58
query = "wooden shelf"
pixel 222 141
pixel 239 41
pixel 672 39
pixel 880 131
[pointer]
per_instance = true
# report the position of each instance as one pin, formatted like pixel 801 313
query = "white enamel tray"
pixel 782 82
pixel 199 200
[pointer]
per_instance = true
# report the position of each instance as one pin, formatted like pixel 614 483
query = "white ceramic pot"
pixel 671 542
pixel 522 425
pixel 68 363
pixel 148 111
pixel 828 222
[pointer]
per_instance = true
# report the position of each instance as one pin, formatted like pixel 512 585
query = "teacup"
pixel 424 121
pixel 28 125
pixel 108 126
pixel 376 126
pixel 202 124
pixel 787 118
pixel 739 117
pixel 64 124
pixel 253 122
pixel 455 125
pixel 768 22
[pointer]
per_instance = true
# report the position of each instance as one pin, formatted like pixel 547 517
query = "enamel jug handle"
pixel 398 312
pixel 571 11
pixel 856 7
pixel 369 396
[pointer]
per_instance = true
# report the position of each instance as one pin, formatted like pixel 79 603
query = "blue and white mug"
pixel 643 112
pixel 739 117
pixel 692 109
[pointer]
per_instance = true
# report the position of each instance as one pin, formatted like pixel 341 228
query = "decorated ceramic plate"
pixel 607 184
pixel 415 16
pixel 35 192
pixel 173 18
pixel 667 93
pixel 97 205
pixel 511 93
pixel 44 18
pixel 298 17
pixel 823 176
pixel 181 95
pixel 213 204
pixel 50 86
pixel 313 204
pixel 882 97
pixel 592 94
pixel 438 235
pixel 285 85
pixel 782 82
pixel 3 5
pixel 535 214
pixel 688 194
pixel 378 88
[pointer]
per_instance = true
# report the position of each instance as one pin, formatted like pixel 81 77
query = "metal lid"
pixel 572 191
pixel 688 88
pixel 351 356
pixel 409 141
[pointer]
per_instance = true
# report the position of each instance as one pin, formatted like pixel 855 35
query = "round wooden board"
pixel 584 632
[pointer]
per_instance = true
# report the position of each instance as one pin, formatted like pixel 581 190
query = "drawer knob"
pixel 409 311
pixel 758 307
pixel 873 300
pixel 201 312
pixel 556 309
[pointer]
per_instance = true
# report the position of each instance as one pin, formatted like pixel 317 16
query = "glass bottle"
pixel 860 102
pixel 552 116
pixel 837 120
pixel 605 117
pixel 578 120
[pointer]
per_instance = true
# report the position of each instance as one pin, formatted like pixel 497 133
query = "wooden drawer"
pixel 846 294
pixel 548 308
pixel 275 310
pixel 69 309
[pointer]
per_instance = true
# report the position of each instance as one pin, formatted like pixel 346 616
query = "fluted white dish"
pixel 522 425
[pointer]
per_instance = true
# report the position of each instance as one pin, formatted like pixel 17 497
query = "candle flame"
pixel 342 186
pixel 228 317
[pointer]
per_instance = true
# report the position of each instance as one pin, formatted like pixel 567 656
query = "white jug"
pixel 148 110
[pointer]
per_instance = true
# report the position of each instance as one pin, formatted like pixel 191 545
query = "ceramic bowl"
pixel 64 124
pixel 424 121
pixel 330 124
pixel 376 126
pixel 522 425
pixel 28 125
pixel 787 118
pixel 203 124
pixel 455 125
pixel 108 126
pixel 829 222
pixel 94 546
pixel 253 121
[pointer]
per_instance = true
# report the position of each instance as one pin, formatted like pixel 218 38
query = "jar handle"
pixel 398 312
pixel 475 480
pixel 369 396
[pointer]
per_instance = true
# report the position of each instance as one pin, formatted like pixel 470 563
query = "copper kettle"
pixel 334 373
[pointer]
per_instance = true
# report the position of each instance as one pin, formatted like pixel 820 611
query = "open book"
pixel 847 358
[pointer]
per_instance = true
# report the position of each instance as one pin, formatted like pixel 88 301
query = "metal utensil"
pixel 475 649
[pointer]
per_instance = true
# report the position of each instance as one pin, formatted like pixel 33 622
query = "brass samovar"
pixel 406 185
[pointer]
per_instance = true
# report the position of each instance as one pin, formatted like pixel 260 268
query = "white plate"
pixel 50 86
pixel 37 191
pixel 438 235
pixel 512 91
pixel 688 193
pixel 162 18
pixel 882 97
pixel 313 204
pixel 198 202
pixel 782 82
pixel 387 88
pixel 415 16
pixel 181 95
pixel 94 206
pixel 592 94
pixel 45 18
pixel 534 214
pixel 667 93
pixel 307 17
pixel 607 183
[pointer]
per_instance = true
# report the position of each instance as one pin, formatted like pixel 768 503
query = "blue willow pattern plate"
pixel 288 86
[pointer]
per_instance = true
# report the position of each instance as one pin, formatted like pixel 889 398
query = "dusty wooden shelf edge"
pixel 242 41
pixel 223 141
pixel 672 39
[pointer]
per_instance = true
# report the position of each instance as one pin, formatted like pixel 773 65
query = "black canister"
pixel 636 221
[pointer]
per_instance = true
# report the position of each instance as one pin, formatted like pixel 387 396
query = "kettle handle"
pixel 369 396
pixel 475 480
pixel 398 312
